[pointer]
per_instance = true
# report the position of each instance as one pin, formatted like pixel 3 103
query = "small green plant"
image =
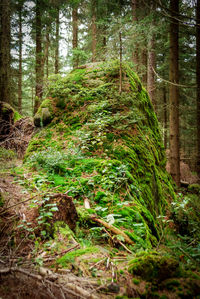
pixel 44 219
pixel 51 159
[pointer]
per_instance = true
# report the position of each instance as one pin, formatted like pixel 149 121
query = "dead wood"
pixel 113 229
pixel 15 136
pixel 68 290
pixel 66 209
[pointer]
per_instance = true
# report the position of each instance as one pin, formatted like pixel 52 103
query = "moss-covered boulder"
pixel 44 114
pixel 105 146
pixel 152 266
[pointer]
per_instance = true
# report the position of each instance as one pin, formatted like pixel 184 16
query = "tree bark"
pixel 198 82
pixel 39 58
pixel 151 63
pixel 144 66
pixel 165 115
pixel 75 35
pixel 20 61
pixel 174 93
pixel 120 61
pixel 94 31
pixel 5 51
pixel 57 43
pixel 47 52
pixel 104 43
pixel 151 84
pixel 134 19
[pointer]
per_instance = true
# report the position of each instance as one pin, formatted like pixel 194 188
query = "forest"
pixel 100 149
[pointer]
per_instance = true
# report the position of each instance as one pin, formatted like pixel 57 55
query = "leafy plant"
pixel 52 160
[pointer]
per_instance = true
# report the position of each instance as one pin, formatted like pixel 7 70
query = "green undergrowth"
pixel 106 147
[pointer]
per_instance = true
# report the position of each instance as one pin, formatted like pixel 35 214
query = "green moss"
pixel 17 116
pixel 1 199
pixel 112 151
pixel 151 266
pixel 69 257
pixel 136 281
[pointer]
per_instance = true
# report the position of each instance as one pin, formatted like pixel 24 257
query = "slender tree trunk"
pixel 120 59
pixel 57 43
pixel 174 93
pixel 151 63
pixel 75 35
pixel 5 51
pixel 144 66
pixel 94 31
pixel 198 82
pixel 151 84
pixel 39 58
pixel 165 115
pixel 47 52
pixel 134 18
pixel 104 43
pixel 20 62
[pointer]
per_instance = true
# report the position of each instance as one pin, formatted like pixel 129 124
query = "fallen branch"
pixel 113 229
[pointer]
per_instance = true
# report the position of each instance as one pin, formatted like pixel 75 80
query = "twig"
pixel 129 251
pixel 172 83
pixel 96 264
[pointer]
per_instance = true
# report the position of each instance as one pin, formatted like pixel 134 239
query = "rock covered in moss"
pixel 152 266
pixel 44 114
pixel 106 146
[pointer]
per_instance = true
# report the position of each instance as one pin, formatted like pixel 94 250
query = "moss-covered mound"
pixel 105 147
pixel 152 266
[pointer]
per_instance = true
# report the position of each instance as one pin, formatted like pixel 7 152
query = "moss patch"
pixel 151 266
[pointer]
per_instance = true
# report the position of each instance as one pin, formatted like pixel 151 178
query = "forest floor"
pixel 21 273
pixel 29 266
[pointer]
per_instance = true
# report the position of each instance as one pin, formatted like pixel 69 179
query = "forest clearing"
pixel 97 200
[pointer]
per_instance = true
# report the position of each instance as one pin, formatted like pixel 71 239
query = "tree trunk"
pixel 165 115
pixel 151 63
pixel 20 62
pixel 39 58
pixel 94 31
pixel 134 18
pixel 144 66
pixel 104 43
pixel 198 82
pixel 47 52
pixel 5 51
pixel 75 35
pixel 120 59
pixel 57 43
pixel 174 93
pixel 151 85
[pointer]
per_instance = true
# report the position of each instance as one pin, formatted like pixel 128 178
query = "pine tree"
pixel 198 82
pixel 5 51
pixel 39 54
pixel 174 92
